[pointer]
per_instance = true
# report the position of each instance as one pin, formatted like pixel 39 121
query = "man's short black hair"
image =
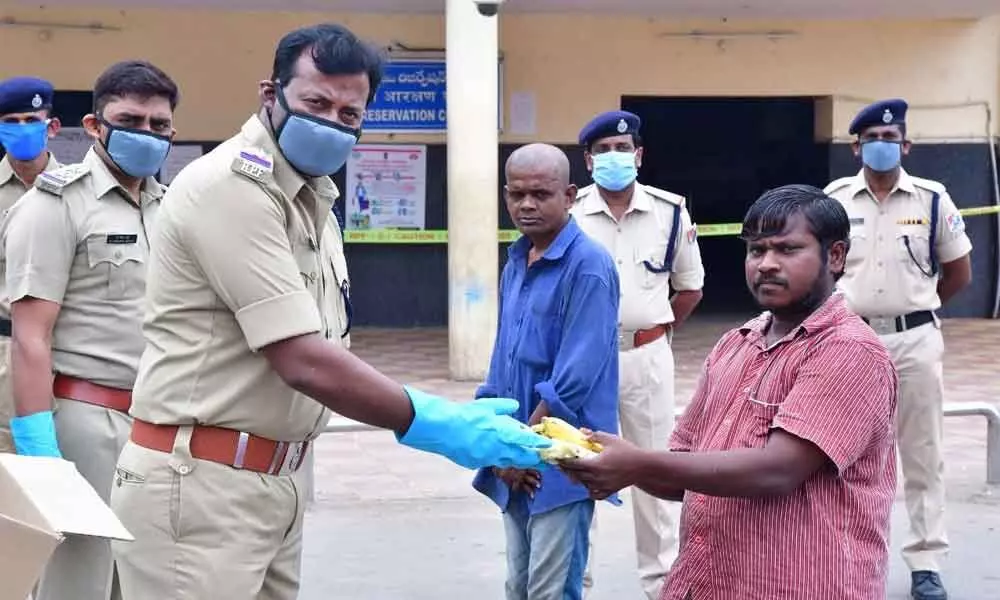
pixel 334 50
pixel 826 218
pixel 138 78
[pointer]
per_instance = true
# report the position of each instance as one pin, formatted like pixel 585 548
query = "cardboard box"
pixel 41 501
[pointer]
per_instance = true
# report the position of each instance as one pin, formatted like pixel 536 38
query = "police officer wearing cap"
pixel 909 255
pixel 26 125
pixel 650 235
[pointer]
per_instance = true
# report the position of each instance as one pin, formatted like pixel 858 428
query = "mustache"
pixel 770 280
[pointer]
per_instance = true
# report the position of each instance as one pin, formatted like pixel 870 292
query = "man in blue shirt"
pixel 556 352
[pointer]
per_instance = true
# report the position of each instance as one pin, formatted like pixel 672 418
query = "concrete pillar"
pixel 473 155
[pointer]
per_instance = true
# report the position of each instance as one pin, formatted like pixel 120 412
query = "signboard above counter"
pixel 412 98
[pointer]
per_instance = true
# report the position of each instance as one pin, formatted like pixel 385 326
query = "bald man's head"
pixel 538 191
pixel 539 159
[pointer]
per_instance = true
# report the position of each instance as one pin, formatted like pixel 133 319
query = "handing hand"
pixel 610 471
pixel 475 434
pixel 520 480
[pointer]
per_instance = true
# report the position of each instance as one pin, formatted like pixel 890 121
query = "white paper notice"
pixel 386 187
pixel 180 156
pixel 71 145
pixel 522 113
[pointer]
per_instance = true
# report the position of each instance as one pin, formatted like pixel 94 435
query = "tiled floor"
pixel 420 357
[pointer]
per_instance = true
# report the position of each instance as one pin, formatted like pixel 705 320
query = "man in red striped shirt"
pixel 785 457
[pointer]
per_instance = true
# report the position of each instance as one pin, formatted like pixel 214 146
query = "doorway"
pixel 721 154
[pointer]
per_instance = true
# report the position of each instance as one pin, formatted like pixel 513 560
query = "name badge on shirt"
pixel 122 238
pixel 857 221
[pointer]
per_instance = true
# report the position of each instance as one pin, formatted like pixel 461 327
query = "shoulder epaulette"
pixel 664 195
pixel 254 163
pixel 837 184
pixel 57 180
pixel 584 191
pixel 928 184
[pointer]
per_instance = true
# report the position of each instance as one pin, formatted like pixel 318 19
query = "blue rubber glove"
pixel 35 435
pixel 474 435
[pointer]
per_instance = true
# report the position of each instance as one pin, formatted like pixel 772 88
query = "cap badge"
pixel 887 116
pixel 36 102
pixel 622 126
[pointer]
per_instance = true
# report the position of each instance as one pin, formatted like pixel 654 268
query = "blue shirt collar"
pixel 566 236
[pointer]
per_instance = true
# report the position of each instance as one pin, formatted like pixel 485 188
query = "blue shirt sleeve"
pixel 588 350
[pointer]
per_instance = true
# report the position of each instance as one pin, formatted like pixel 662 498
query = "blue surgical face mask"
pixel 24 141
pixel 614 171
pixel 314 146
pixel 137 152
pixel 881 156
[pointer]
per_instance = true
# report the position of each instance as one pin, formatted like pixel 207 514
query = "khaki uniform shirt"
pixel 11 189
pixel 643 234
pixel 247 253
pixel 78 239
pixel 888 264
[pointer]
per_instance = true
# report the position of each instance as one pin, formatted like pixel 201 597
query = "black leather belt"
pixel 5 328
pixel 905 322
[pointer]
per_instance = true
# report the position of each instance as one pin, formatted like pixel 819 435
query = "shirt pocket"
pixel 914 250
pixel 339 297
pixel 761 421
pixel 654 256
pixel 537 338
pixel 122 265
pixel 858 252
pixel 307 260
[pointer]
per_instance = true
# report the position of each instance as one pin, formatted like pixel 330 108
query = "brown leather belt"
pixel 225 446
pixel 81 390
pixel 641 337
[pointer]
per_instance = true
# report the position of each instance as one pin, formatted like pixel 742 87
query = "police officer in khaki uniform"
pixel 248 313
pixel 650 235
pixel 26 125
pixel 77 245
pixel 909 255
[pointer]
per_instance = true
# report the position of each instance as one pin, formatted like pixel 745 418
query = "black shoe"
pixel 927 586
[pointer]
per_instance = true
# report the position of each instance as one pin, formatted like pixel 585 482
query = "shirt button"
pixel 619 261
pixel 880 264
pixel 698 539
pixel 118 253
pixel 619 229
pixel 184 469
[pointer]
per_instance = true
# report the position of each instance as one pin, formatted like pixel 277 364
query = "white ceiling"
pixel 817 9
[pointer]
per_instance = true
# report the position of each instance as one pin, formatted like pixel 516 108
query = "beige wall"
pixel 575 65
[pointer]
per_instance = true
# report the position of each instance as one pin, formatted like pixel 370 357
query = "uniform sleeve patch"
pixel 955 222
pixel 692 234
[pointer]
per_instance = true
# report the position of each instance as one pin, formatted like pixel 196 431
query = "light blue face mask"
pixel 24 141
pixel 315 147
pixel 137 152
pixel 614 171
pixel 881 156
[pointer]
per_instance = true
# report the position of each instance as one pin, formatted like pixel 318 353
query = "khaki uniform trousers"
pixel 646 413
pixel 6 397
pixel 81 568
pixel 205 530
pixel 918 354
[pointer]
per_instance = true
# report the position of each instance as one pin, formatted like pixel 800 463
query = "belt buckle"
pixel 293 458
pixel 883 325
pixel 626 340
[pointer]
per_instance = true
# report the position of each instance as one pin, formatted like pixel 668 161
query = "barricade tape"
pixel 440 236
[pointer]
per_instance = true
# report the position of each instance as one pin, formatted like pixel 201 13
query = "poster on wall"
pixel 386 187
